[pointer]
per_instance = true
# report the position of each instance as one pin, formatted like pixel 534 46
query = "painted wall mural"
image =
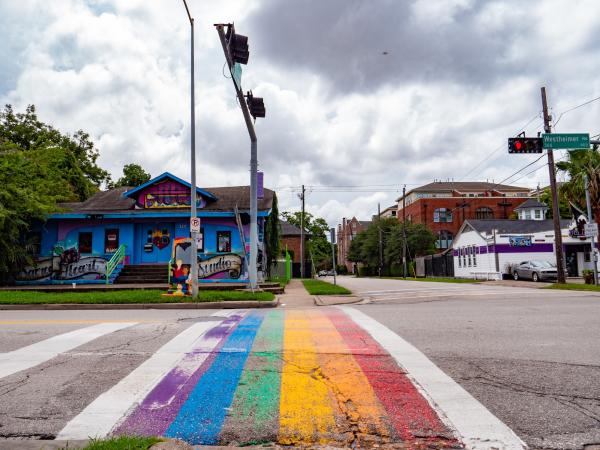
pixel 167 194
pixel 65 264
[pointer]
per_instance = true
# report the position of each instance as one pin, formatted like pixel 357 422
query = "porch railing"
pixel 116 259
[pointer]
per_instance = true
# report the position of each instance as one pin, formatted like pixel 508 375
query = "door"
pixel 156 242
pixel 571 260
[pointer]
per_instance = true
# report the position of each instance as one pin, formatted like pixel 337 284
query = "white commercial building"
pixel 490 248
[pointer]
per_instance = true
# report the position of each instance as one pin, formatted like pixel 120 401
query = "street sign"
pixel 236 73
pixel 591 229
pixel 567 141
pixel 194 225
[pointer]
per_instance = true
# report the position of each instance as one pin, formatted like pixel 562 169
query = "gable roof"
pixel 287 229
pixel 508 226
pixel 531 203
pixel 163 176
pixel 113 201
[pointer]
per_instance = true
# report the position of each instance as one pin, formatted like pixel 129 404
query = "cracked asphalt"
pixel 531 356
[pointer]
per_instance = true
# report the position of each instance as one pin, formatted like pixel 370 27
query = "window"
pixel 444 239
pixel 223 241
pixel 85 242
pixel 469 255
pixel 33 244
pixel 484 213
pixel 111 240
pixel 459 257
pixel 393 213
pixel 474 256
pixel 527 214
pixel 464 257
pixel 200 240
pixel 442 215
pixel 538 213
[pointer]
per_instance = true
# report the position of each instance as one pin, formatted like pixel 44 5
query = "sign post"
pixel 332 231
pixel 194 225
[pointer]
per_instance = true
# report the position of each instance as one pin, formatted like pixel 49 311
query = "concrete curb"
pixel 321 300
pixel 105 306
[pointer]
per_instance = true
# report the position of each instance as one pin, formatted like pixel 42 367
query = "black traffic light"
pixel 525 145
pixel 237 45
pixel 256 105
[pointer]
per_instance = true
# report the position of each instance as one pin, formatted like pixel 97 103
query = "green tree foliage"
pixel 70 157
pixel 364 248
pixel 39 167
pixel 580 164
pixel 30 190
pixel 133 175
pixel 272 235
pixel 563 203
pixel 317 244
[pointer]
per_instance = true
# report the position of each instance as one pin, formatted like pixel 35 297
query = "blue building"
pixel 138 226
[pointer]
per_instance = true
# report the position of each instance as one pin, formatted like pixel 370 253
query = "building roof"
pixel 365 223
pixel 287 229
pixel 531 203
pixel 513 226
pixel 163 176
pixel 466 186
pixel 114 201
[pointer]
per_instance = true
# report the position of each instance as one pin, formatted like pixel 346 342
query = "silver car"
pixel 535 270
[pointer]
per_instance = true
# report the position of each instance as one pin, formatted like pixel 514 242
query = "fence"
pixel 440 265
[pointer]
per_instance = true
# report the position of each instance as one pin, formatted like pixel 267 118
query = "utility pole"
pixel 194 212
pixel 380 238
pixel 404 229
pixel 588 204
pixel 560 268
pixel 302 195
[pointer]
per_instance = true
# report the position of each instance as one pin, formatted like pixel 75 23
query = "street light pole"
pixel 194 212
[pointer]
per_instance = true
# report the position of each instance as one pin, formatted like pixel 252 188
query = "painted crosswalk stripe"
pixel 202 415
pixel 160 407
pixel 34 354
pixel 476 427
pixel 305 412
pixel 100 416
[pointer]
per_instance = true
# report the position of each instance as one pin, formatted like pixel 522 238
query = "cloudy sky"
pixel 362 96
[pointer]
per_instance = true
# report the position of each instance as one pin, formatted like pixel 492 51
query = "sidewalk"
pixel 296 296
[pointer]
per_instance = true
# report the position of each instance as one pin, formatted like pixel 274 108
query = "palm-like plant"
pixel 580 164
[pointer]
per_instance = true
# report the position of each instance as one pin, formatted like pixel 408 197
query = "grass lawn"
pixel 122 443
pixel 435 279
pixel 218 296
pixel 574 287
pixel 318 287
pixel 117 297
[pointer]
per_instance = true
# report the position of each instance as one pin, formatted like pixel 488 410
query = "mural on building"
pixel 167 194
pixel 65 264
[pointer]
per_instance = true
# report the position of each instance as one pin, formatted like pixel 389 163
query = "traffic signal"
pixel 237 45
pixel 256 105
pixel 525 145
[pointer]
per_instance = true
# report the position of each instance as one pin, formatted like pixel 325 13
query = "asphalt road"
pixel 531 356
pixel 302 374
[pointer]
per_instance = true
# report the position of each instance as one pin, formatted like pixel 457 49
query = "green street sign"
pixel 236 73
pixel 569 141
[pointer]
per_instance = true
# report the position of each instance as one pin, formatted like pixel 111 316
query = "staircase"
pixel 143 274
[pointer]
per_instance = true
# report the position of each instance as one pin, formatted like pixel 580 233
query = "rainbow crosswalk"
pixel 296 377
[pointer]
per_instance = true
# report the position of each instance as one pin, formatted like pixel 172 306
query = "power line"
pixel 574 108
pixel 498 148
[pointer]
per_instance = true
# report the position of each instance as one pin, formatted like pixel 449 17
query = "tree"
pixel 72 157
pixel 133 175
pixel 563 203
pixel 317 245
pixel 39 167
pixel 272 235
pixel 582 163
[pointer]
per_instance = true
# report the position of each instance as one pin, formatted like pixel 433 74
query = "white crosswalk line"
pixel 32 355
pixel 477 427
pixel 100 416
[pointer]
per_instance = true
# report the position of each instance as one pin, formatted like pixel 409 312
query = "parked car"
pixel 535 270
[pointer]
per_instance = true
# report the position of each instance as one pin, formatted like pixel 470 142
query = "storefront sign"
pixel 519 241
pixel 231 263
pixel 90 268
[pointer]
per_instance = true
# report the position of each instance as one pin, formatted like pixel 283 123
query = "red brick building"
pixel 444 206
pixel 345 233
pixel 290 240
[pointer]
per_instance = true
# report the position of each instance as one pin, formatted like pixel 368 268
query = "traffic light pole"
pixel 252 266
pixel 560 267
pixel 588 204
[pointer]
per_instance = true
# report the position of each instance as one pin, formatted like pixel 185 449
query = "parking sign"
pixel 194 225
